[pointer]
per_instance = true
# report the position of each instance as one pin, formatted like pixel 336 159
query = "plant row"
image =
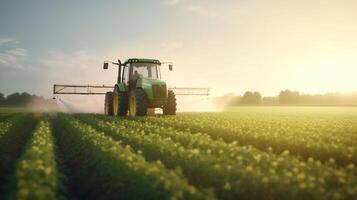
pixel 12 142
pixel 4 128
pixel 7 121
pixel 36 173
pixel 106 169
pixel 320 138
pixel 231 170
pixel 5 116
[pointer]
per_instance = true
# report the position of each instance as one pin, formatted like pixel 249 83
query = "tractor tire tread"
pixel 170 107
pixel 141 102
pixel 108 104
pixel 123 104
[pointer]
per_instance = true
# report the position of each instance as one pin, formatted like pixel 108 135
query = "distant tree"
pixel 289 97
pixel 14 98
pixel 2 98
pixel 257 98
pixel 270 100
pixel 251 98
pixel 26 97
pixel 17 98
pixel 294 97
pixel 247 98
pixel 230 99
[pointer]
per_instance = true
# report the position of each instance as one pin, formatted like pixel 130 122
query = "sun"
pixel 335 74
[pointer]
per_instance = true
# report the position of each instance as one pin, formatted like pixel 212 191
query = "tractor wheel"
pixel 137 103
pixel 120 101
pixel 123 104
pixel 170 106
pixel 108 104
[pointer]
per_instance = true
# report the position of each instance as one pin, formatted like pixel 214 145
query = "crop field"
pixel 242 153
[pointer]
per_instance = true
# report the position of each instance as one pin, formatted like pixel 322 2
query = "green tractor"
pixel 139 89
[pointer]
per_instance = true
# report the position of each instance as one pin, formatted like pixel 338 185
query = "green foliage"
pixel 111 170
pixel 17 98
pixel 245 153
pixel 2 98
pixel 321 134
pixel 232 170
pixel 4 128
pixel 289 97
pixel 20 99
pixel 251 98
pixel 36 171
pixel 17 130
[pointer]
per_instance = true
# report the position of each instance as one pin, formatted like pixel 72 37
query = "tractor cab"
pixel 135 69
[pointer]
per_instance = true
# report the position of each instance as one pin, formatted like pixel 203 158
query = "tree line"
pixel 20 99
pixel 290 97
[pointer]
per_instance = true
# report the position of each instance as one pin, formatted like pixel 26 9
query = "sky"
pixel 227 45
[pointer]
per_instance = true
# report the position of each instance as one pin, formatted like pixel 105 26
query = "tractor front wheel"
pixel 123 104
pixel 108 104
pixel 120 101
pixel 137 103
pixel 170 106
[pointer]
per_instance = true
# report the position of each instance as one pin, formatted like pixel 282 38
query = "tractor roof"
pixel 142 60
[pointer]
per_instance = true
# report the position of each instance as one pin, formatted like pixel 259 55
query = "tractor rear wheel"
pixel 120 101
pixel 170 106
pixel 108 104
pixel 137 103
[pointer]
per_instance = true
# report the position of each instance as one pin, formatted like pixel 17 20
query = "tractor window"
pixel 145 70
pixel 126 74
pixel 154 72
pixel 142 71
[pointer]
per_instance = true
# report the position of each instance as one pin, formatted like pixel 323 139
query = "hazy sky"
pixel 228 45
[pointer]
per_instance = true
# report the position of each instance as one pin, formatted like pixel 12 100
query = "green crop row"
pixel 12 141
pixel 8 121
pixel 110 170
pixel 231 170
pixel 5 116
pixel 320 138
pixel 36 171
pixel 4 128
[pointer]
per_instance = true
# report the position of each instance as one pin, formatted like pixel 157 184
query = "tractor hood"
pixel 149 82
pixel 154 89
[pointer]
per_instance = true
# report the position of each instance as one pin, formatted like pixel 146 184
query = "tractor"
pixel 139 89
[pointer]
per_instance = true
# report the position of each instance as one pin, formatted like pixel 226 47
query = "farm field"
pixel 241 153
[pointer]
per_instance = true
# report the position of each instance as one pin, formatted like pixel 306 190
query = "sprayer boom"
pixel 102 89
